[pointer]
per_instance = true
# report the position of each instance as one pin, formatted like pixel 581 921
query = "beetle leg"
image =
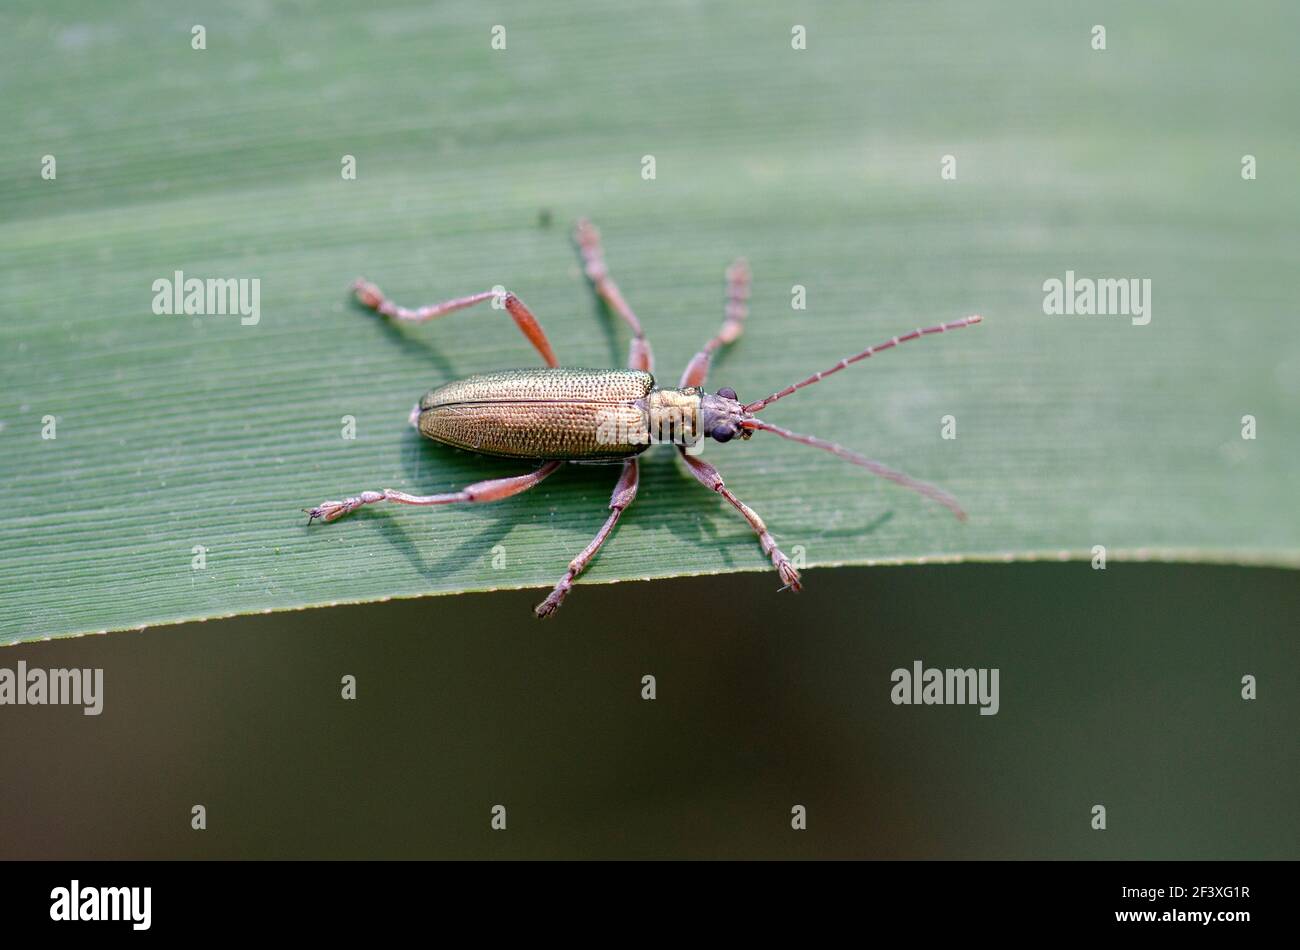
pixel 593 258
pixel 492 490
pixel 708 477
pixel 624 492
pixel 371 296
pixel 697 370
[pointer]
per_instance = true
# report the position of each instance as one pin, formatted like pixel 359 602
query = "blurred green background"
pixel 822 165
pixel 1119 687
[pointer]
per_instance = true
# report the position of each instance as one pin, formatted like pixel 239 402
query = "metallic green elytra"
pixel 572 414
pixel 552 414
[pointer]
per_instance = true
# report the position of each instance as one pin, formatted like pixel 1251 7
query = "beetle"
pixel 554 415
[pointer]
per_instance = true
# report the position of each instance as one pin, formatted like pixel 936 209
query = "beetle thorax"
pixel 673 415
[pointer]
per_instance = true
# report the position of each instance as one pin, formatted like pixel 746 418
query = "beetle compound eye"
pixel 723 434
pixel 726 392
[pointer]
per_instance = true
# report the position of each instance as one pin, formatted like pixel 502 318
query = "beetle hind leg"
pixel 368 295
pixel 493 489
pixel 624 492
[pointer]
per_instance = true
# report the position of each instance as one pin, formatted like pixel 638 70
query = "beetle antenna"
pixel 884 471
pixel 869 351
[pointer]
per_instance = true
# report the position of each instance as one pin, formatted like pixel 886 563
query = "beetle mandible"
pixel 554 415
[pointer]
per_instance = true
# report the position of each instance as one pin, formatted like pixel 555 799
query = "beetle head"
pixel 722 416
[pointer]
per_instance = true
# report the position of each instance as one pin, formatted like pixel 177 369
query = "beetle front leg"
pixel 624 493
pixel 491 490
pixel 733 325
pixel 708 476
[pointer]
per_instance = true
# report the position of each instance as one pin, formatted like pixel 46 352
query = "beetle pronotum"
pixel 555 415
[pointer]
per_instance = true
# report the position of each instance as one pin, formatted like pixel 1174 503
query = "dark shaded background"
pixel 1119 687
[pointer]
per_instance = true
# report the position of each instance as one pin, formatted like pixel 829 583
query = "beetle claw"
pixel 324 512
pixel 328 510
pixel 367 293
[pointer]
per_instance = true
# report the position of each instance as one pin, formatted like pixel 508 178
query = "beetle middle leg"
pixel 624 493
pixel 708 477
pixel 738 278
pixel 593 258
pixel 371 296
pixel 493 489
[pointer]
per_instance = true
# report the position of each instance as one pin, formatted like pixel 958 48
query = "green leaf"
pixel 821 165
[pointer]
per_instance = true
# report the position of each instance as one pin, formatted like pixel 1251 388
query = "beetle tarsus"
pixel 547 607
pixel 333 510
pixel 788 574
pixel 367 293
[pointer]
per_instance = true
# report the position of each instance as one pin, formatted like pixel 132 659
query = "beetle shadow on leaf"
pixel 437 468
pixel 411 344
pixel 871 527
pixel 704 531
pixel 475 546
pixel 433 469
